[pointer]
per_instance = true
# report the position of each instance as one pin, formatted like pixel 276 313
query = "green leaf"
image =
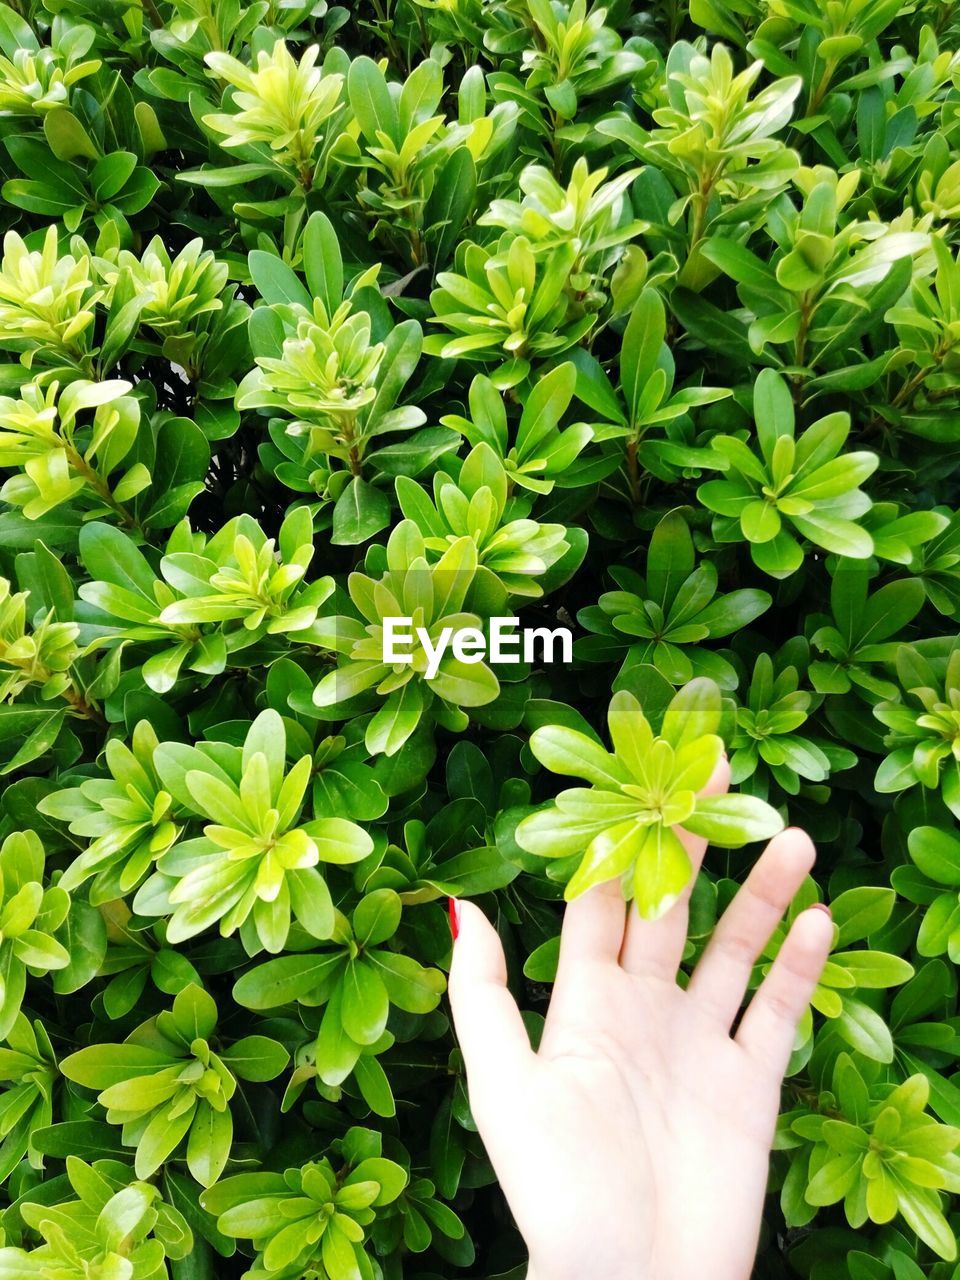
pixel 733 820
pixel 640 349
pixel 922 1213
pixel 336 1053
pixel 160 1139
pixel 568 751
pixel 874 969
pixel 284 980
pixel 360 513
pixel 663 871
pixel 450 203
pixel 693 713
pixel 937 854
pixel 256 1058
pixel 94 1139
pixel 409 986
pixel 377 917
pixel 860 912
pixel 208 1147
pixel 372 102
pixel 84 935
pixel 772 409
pixel 100 1066
pixel 365 1003
pixel 736 261
pixel 322 263
pixel 110 556
pixel 110 174
pixel 864 1030
pixel 670 558
pixel 389 1176
pixel 275 281
pixel 541 964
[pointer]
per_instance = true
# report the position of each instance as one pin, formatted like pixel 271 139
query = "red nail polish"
pixel 454 908
pixel 822 906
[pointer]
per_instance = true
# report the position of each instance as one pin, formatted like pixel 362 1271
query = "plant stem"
pixel 800 342
pixel 100 487
pixel 818 93
pixel 633 469
pixel 700 201
pixel 82 707
pixel 908 390
pixel 912 386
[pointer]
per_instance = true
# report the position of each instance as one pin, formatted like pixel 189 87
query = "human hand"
pixel 635 1144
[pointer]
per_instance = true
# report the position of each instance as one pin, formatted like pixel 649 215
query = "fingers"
pixel 592 929
pixel 488 1023
pixel 720 980
pixel 655 947
pixel 592 934
pixel 769 1027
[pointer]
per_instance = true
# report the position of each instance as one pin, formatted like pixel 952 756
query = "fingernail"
pixel 724 756
pixel 822 906
pixel 453 907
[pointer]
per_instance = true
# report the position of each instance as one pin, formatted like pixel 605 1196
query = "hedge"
pixel 642 321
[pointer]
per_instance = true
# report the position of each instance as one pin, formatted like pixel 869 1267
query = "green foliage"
pixel 114 1226
pixel 356 978
pixel 539 445
pixel 923 729
pixel 60 459
pixel 649 784
pixel 509 306
pixel 767 738
pixel 29 1070
pixel 132 820
pixel 850 973
pixel 719 171
pixel 638 319
pixel 30 916
pixel 433 595
pixel 281 104
pixel 804 484
pixel 475 505
pixel 315 1216
pixel 821 275
pixel 880 1155
pixel 669 611
pixel 255 866
pixel 165 1083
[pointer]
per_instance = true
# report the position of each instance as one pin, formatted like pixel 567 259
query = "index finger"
pixel 655 947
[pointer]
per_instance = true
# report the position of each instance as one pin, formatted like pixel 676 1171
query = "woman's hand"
pixel 635 1144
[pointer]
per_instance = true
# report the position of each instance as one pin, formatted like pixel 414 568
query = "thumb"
pixel 488 1024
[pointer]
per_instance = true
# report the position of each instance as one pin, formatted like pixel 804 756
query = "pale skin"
pixel 635 1144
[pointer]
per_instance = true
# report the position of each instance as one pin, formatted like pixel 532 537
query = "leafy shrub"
pixel 637 319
